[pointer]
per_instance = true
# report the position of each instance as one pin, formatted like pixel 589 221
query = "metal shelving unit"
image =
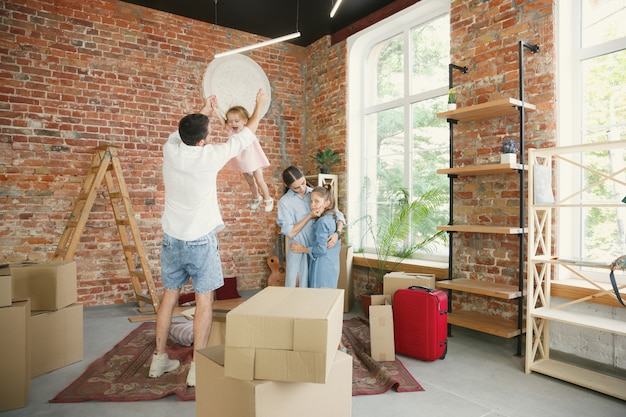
pixel 490 110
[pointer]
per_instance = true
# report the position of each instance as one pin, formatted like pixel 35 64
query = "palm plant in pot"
pixel 390 232
pixel 325 159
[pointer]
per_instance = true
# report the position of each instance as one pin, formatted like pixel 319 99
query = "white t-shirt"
pixel 190 177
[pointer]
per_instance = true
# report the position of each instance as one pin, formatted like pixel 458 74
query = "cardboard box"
pixel 49 285
pixel 5 286
pixel 284 334
pixel 57 339
pixel 219 395
pixel 382 345
pixel 345 277
pixel 15 355
pixel 393 281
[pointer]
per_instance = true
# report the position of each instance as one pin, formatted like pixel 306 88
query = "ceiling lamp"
pixel 259 45
pixel 335 7
pixel 283 38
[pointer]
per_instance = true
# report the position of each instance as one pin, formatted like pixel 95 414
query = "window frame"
pixel 359 47
pixel 571 57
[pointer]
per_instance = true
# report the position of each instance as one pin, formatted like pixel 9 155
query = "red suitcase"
pixel 420 323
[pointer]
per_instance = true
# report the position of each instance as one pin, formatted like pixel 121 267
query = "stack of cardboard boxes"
pixel 280 358
pixel 41 323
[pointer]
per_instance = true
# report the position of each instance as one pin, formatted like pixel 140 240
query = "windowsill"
pixel 574 289
pixel 440 269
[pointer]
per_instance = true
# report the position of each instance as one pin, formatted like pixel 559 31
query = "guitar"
pixel 277 276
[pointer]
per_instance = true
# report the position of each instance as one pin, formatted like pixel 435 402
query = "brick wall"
pixel 485 37
pixel 75 75
pixel 325 124
pixel 71 80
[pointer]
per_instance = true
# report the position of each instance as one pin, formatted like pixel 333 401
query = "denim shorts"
pixel 198 260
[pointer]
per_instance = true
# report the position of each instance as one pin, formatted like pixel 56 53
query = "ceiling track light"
pixel 283 38
pixel 335 7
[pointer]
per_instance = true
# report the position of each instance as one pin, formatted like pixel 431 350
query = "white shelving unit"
pixel 544 265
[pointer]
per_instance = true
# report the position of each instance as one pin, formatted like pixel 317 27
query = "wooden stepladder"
pixel 106 166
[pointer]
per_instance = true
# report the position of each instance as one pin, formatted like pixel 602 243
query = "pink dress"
pixel 250 159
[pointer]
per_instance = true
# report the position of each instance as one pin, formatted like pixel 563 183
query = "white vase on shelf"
pixel 508 158
pixel 451 106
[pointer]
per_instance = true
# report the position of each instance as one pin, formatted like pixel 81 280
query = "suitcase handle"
pixel 419 287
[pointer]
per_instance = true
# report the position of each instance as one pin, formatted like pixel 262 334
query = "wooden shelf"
pixel 487 169
pixel 492 109
pixel 596 381
pixel 503 291
pixel 581 320
pixel 467 228
pixel 486 324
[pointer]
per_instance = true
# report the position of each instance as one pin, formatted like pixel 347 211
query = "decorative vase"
pixel 451 106
pixel 508 158
pixel 323 170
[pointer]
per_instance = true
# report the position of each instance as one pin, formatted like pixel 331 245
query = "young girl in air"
pixel 250 162
pixel 324 261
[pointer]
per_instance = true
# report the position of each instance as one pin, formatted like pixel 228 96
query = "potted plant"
pixel 392 228
pixel 508 151
pixel 452 99
pixel 325 159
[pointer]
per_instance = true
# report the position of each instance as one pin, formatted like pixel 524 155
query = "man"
pixel 191 220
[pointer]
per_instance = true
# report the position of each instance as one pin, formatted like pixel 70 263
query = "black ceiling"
pixel 272 18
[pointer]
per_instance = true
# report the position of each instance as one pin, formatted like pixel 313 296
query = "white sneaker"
pixel 269 205
pixel 162 364
pixel 191 376
pixel 255 203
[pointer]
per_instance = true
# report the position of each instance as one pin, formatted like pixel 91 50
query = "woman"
pixel 296 223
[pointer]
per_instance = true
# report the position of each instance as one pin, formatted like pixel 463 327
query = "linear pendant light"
pixel 259 45
pixel 294 35
pixel 334 9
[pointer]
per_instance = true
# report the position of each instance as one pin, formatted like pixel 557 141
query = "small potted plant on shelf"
pixel 325 159
pixel 452 99
pixel 508 151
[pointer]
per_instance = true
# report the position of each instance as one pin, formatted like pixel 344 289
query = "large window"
pixel 398 72
pixel 592 108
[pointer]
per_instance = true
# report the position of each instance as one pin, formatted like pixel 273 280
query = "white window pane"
pixel 385 66
pixel 430 55
pixel 602 21
pixel 604 98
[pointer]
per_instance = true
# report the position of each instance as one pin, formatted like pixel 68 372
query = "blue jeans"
pixel 198 260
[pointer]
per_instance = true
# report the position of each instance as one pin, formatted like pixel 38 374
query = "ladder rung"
pixel 144 298
pixel 124 222
pixel 82 196
pixel 130 248
pixel 72 223
pixel 116 195
pixel 138 273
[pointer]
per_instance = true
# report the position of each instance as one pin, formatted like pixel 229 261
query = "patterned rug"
pixel 369 376
pixel 122 373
